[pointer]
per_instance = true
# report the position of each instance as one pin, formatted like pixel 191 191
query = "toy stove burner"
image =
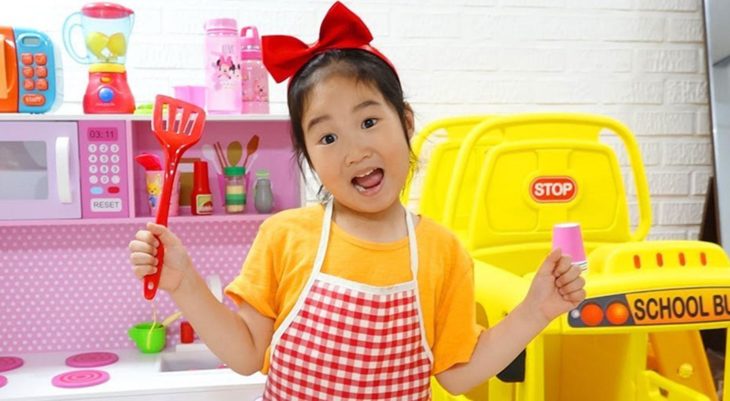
pixel 80 378
pixel 10 363
pixel 3 381
pixel 91 359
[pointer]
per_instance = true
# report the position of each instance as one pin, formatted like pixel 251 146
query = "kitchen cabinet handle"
pixel 63 173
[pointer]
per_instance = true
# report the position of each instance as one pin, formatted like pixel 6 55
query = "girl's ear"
pixel 410 125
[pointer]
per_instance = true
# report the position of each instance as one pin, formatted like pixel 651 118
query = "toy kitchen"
pixel 73 191
pixel 72 197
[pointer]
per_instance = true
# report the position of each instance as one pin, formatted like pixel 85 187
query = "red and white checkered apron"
pixel 345 340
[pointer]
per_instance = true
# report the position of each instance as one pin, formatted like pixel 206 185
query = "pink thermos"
pixel 254 77
pixel 222 66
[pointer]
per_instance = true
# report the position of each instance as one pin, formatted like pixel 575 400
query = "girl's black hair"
pixel 365 67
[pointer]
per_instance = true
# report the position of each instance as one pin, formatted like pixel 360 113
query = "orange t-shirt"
pixel 282 256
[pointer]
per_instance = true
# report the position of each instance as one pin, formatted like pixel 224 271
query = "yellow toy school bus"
pixel 636 335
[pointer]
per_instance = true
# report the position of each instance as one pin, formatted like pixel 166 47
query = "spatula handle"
pixel 152 281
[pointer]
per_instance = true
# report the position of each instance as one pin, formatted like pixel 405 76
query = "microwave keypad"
pixel 104 168
pixel 35 74
pixel 104 175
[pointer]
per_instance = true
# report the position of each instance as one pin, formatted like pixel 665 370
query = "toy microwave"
pixel 28 75
pixel 64 170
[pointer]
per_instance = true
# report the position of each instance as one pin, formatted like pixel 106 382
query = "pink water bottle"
pixel 222 66
pixel 254 77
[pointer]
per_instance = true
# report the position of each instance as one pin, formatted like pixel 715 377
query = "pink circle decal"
pixel 91 359
pixel 10 363
pixel 80 378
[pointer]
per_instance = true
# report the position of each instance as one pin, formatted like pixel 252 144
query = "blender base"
pixel 108 93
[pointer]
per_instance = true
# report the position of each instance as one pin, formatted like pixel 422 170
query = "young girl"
pixel 355 298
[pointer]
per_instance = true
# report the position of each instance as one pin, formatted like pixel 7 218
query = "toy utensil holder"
pixel 154 181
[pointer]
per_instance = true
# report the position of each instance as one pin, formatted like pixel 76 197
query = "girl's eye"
pixel 327 139
pixel 368 123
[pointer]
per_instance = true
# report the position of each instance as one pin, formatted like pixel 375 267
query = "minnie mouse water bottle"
pixel 222 66
pixel 254 77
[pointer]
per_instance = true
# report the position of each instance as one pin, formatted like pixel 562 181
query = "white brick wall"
pixel 641 61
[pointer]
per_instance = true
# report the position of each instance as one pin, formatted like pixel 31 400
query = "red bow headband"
pixel 284 55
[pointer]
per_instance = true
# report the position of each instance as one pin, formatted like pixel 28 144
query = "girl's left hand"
pixel 556 288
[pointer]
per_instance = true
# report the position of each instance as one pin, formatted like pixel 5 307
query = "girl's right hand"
pixel 143 256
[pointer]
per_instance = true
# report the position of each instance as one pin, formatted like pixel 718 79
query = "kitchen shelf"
pixel 132 135
pixel 227 218
pixel 135 117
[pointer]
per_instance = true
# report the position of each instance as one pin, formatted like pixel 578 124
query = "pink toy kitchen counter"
pixel 134 376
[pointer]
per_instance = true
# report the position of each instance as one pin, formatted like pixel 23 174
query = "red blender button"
pixel 113 190
pixel 28 84
pixel 40 58
pixel 28 72
pixel 42 72
pixel 26 58
pixel 41 85
pixel 34 100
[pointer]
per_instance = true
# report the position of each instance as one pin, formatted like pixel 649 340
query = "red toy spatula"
pixel 178 126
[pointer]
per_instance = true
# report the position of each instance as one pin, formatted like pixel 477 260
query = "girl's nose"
pixel 359 150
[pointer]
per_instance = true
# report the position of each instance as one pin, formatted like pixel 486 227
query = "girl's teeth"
pixel 366 174
pixel 366 182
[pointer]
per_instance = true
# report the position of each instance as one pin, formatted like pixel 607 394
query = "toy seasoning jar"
pixel 201 202
pixel 235 189
pixel 263 197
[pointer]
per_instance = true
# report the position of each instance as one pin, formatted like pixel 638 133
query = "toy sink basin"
pixel 187 360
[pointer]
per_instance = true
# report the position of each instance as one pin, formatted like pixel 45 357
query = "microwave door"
pixel 3 72
pixel 8 72
pixel 39 171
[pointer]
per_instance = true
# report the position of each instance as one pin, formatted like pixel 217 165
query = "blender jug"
pixel 105 28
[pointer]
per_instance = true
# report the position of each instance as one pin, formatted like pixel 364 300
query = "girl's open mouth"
pixel 369 182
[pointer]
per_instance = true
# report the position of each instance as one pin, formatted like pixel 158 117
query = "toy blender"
pixel 106 28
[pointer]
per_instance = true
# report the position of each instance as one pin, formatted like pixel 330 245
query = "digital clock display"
pixel 102 134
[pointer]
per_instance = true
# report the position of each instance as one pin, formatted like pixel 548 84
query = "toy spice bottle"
pixel 263 197
pixel 187 334
pixel 235 189
pixel 201 202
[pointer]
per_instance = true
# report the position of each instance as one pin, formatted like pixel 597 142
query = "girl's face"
pixel 356 144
